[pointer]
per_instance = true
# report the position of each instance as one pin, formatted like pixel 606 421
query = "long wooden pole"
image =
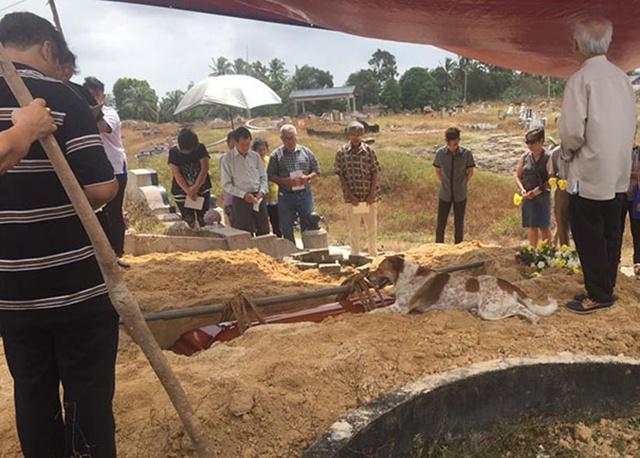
pixel 122 299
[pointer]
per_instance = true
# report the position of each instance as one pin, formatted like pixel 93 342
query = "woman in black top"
pixel 532 176
pixel 191 186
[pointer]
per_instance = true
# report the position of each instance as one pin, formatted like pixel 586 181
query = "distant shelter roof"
pixel 329 93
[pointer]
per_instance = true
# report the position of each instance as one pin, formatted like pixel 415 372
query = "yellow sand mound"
pixel 272 391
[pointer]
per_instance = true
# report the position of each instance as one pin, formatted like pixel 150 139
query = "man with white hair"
pixel 292 167
pixel 597 128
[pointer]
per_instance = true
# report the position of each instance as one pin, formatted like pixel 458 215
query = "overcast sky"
pixel 171 48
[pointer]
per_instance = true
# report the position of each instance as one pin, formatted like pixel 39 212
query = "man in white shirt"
pixel 244 177
pixel 110 129
pixel 597 129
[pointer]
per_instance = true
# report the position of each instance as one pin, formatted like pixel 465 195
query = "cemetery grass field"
pixel 408 182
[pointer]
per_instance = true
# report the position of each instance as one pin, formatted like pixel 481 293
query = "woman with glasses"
pixel 532 177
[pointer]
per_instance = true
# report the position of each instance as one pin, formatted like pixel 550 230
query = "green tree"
pixel 168 105
pixel 383 64
pixel 307 77
pixel 220 66
pixel 241 67
pixel 367 87
pixel 277 74
pixel 135 99
pixel 391 96
pixel 260 71
pixel 418 88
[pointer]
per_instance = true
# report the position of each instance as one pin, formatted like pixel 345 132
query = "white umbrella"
pixel 240 91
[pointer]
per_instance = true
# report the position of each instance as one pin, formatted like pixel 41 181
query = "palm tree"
pixel 241 67
pixel 142 103
pixel 259 71
pixel 277 73
pixel 221 66
pixel 169 104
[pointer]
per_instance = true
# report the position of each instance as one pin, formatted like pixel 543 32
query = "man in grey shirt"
pixel 454 166
pixel 245 178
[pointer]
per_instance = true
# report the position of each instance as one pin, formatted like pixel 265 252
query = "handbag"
pixel 635 209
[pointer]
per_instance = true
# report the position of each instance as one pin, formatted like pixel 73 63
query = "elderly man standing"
pixel 244 177
pixel 357 166
pixel 292 167
pixel 597 128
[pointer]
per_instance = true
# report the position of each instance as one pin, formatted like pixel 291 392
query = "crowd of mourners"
pixel 56 319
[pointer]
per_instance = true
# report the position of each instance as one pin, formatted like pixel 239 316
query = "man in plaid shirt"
pixel 357 166
pixel 292 167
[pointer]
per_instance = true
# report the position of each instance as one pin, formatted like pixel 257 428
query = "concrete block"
pixel 330 269
pixel 306 265
pixel 299 255
pixel 320 255
pixel 156 198
pixel 315 239
pixel 142 177
pixel 236 239
pixel 268 244
pixel 285 248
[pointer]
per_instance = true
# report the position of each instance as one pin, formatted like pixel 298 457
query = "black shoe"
pixel 123 265
pixel 587 306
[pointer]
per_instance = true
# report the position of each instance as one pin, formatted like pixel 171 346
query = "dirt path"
pixel 272 391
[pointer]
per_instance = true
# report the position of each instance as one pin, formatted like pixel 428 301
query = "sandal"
pixel 588 306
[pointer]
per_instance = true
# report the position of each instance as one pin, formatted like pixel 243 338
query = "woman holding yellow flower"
pixel 532 177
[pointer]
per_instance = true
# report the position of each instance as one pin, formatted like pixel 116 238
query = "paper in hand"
pixel 256 204
pixel 197 204
pixel 293 176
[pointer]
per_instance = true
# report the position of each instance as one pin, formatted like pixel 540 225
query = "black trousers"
pixel 75 346
pixel 274 218
pixel 595 226
pixel 190 215
pixel 627 209
pixel 114 219
pixel 444 208
pixel 245 219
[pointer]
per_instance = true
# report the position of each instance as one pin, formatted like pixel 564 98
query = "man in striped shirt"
pixel 56 320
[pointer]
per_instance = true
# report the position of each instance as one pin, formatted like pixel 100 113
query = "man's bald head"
pixel 593 36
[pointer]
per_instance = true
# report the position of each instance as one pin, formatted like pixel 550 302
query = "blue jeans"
pixel 292 205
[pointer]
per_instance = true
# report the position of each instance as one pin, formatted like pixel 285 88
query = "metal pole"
pixel 261 302
pixel 465 86
pixel 122 299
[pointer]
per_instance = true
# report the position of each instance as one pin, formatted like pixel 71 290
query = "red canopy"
pixel 527 35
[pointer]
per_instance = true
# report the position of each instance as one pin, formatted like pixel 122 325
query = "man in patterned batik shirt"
pixel 357 166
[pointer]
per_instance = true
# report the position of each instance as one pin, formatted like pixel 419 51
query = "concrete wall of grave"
pixel 474 399
pixel 220 239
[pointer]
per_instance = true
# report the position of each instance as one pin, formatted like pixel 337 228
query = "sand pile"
pixel 177 280
pixel 271 392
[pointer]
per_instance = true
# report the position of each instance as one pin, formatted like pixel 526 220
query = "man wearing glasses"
pixel 292 167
